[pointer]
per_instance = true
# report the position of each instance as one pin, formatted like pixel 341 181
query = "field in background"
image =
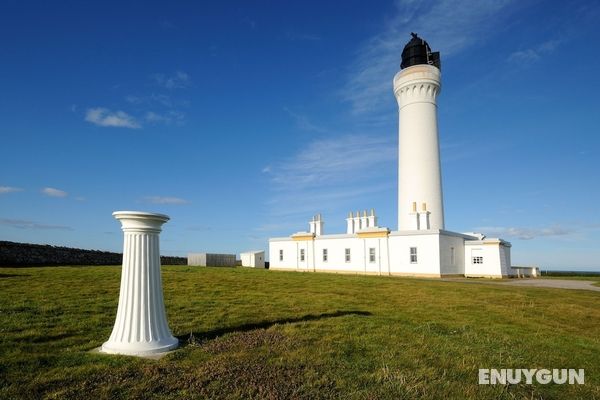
pixel 267 334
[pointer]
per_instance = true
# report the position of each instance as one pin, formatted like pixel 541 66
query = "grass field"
pixel 280 335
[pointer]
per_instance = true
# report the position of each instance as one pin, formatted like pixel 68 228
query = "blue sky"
pixel 241 120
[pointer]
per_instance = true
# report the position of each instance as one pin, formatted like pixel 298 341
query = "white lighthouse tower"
pixel 416 86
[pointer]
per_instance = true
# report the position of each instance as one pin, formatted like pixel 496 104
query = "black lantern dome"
pixel 417 51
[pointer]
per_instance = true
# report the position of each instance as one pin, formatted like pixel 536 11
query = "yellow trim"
pixel 372 234
pixel 303 238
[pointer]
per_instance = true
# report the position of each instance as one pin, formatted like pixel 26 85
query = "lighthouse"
pixel 416 87
pixel 421 246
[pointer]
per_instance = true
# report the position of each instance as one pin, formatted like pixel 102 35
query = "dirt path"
pixel 539 282
pixel 552 283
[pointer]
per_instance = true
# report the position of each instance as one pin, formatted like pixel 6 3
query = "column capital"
pixel 140 221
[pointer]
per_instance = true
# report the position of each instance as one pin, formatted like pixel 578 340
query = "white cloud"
pixel 304 123
pixel 329 174
pixel 162 99
pixel 23 224
pixel 9 189
pixel 104 117
pixel 335 160
pixel 524 233
pixel 52 192
pixel 450 26
pixel 168 118
pixel 179 80
pixel 534 54
pixel 165 200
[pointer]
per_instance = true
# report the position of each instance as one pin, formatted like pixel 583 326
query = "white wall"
pixel 496 259
pixel 253 259
pixel 428 261
pixel 290 257
pixel 336 247
pixel 392 254
pixel 448 266
pixel 525 272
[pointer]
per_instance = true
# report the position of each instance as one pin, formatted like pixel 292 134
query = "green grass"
pixel 280 335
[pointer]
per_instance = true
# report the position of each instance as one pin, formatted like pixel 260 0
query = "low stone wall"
pixel 24 254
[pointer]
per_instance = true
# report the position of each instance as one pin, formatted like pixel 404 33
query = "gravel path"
pixel 539 282
pixel 552 283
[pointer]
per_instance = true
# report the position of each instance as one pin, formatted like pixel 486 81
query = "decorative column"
pixel 141 326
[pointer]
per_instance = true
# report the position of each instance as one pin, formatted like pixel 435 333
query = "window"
pixel 301 254
pixel 478 260
pixel 452 259
pixel 324 255
pixel 347 255
pixel 413 255
pixel 372 254
pixel 280 255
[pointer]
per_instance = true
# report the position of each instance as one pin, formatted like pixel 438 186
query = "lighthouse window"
pixel 413 255
pixel 324 255
pixel 347 255
pixel 372 254
pixel 301 254
pixel 280 255
pixel 452 256
pixel 478 260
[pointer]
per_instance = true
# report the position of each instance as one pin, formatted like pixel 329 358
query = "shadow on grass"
pixel 51 338
pixel 13 275
pixel 209 335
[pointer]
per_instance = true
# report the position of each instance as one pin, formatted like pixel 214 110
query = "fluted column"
pixel 141 326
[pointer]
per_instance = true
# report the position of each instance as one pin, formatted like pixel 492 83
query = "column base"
pixel 141 348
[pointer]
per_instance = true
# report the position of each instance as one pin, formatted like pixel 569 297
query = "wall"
pixel 289 248
pixel 392 254
pixel 428 254
pixel 496 259
pixel 253 260
pixel 211 260
pixel 447 242
pixel 24 254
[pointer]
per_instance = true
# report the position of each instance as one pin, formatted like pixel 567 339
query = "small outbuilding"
pixel 211 260
pixel 520 271
pixel 253 259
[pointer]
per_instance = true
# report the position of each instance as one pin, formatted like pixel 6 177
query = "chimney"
pixel 318 225
pixel 350 224
pixel 357 222
pixel 414 217
pixel 312 225
pixel 372 219
pixel 424 217
pixel 364 222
